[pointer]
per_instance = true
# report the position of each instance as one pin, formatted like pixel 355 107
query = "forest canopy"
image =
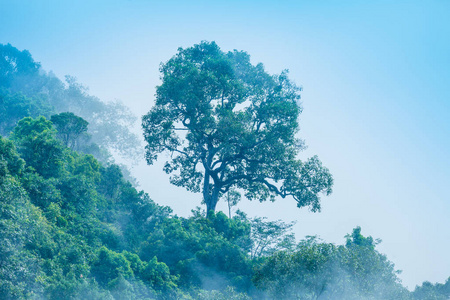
pixel 26 90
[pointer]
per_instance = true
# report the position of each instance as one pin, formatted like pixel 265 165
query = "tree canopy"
pixel 69 127
pixel 229 124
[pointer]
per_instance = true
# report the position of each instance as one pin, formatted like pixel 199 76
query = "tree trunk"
pixel 229 206
pixel 211 201
pixel 206 193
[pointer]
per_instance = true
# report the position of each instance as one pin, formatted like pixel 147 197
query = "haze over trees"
pixel 73 227
pixel 228 124
pixel 26 90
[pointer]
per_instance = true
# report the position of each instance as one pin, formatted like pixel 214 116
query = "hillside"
pixel 73 226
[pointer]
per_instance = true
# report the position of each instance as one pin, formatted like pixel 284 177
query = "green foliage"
pixel 321 270
pixel 85 165
pixel 228 294
pixel 371 272
pixel 42 192
pixel 158 275
pixel 356 239
pixel 203 252
pixel 10 161
pixel 111 178
pixel 26 90
pixel 229 124
pixel 86 222
pixel 14 107
pixel 109 265
pixel 236 230
pixel 270 236
pixel 86 233
pixel 429 291
pixel 79 193
pixel 29 128
pixel 73 227
pixel 37 144
pixel 23 239
pixel 16 66
pixel 69 127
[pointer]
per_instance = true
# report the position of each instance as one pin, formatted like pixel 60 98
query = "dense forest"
pixel 74 226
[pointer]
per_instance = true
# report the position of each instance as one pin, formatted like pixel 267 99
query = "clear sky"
pixel 376 80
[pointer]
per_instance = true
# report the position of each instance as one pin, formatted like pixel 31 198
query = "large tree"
pixel 230 125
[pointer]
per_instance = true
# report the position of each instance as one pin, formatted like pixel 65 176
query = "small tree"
pixel 227 123
pixel 36 142
pixel 270 236
pixel 232 197
pixel 70 127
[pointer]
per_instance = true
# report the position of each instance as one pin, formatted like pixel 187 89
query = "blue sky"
pixel 376 98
